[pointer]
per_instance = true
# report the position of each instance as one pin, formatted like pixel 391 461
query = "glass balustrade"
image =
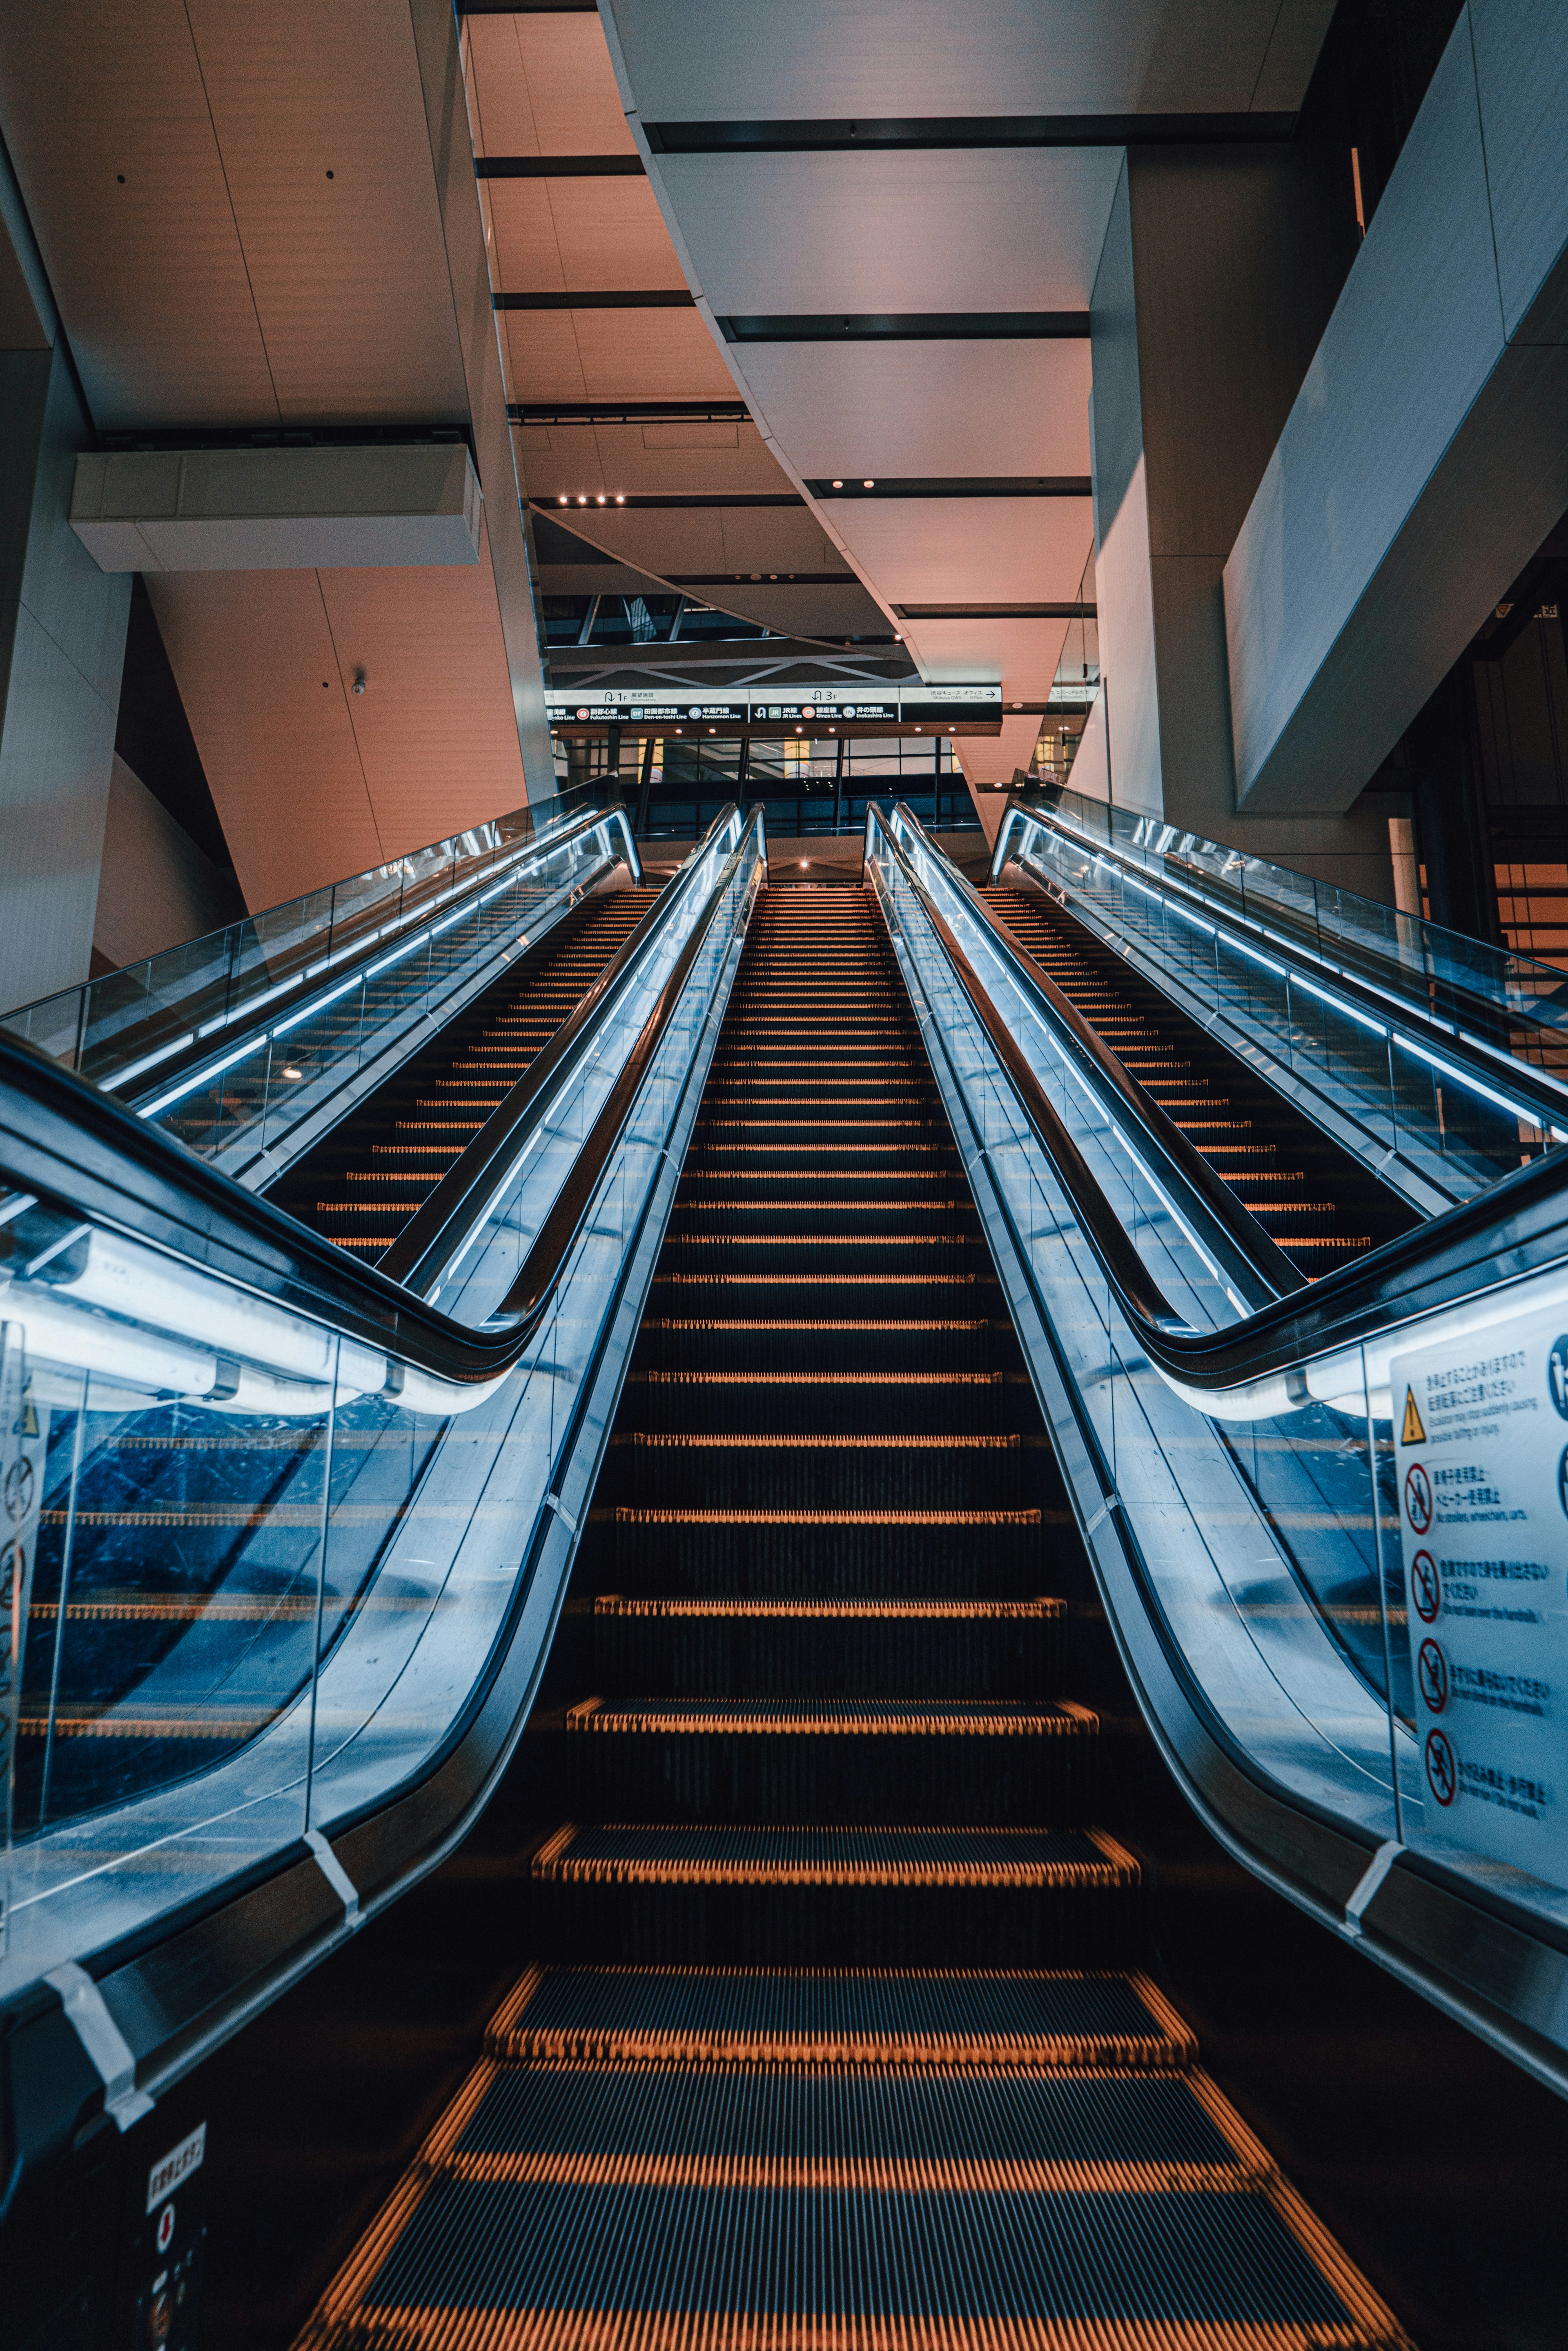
pixel 145 1030
pixel 258 1571
pixel 1353 1005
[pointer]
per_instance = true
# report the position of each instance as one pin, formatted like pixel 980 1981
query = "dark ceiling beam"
pixel 629 411
pixel 979 485
pixel 804 136
pixel 657 298
pixel 995 612
pixel 910 327
pixel 560 167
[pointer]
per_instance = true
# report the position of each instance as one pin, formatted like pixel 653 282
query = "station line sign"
pixel 941 709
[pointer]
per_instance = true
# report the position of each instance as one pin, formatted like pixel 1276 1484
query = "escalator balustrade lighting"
pixel 834 2029
pixel 374 1172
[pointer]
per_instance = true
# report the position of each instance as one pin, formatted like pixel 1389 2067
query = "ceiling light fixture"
pixel 897 639
pixel 837 485
pixel 602 497
pixel 561 500
pixel 582 502
pixel 868 485
pixel 619 499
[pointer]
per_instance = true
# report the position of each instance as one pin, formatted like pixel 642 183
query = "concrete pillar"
pixel 1219 271
pixel 62 644
pixel 1426 457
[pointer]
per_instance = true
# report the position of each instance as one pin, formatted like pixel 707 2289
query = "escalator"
pixel 1317 1202
pixel 362 1185
pixel 858 1415
pixel 837 2015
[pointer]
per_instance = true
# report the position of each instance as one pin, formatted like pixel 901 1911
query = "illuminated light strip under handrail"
pixel 534 850
pixel 1537 1114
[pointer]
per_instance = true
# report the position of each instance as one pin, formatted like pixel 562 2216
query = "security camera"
pixel 360 681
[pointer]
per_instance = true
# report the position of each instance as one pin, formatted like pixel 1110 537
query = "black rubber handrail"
pixel 1519 1224
pixel 78 1148
pixel 428 1242
pixel 1249 1255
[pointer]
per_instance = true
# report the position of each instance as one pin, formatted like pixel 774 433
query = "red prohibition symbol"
pixel 1442 1777
pixel 1425 1586
pixel 165 2228
pixel 1432 1669
pixel 1418 1498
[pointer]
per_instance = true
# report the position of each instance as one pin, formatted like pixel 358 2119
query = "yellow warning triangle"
pixel 1412 1433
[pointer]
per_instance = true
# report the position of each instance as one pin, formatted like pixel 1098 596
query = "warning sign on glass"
pixel 1481 1448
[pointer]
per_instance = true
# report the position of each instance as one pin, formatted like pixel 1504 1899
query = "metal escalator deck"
pixel 361 1186
pixel 1321 1206
pixel 832 2025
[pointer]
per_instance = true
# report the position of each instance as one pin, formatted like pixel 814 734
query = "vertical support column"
pixel 62 644
pixel 839 788
pixel 1218 272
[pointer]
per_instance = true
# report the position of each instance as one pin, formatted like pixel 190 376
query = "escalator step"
pixel 983 1761
pixel 876 2018
pixel 916 1648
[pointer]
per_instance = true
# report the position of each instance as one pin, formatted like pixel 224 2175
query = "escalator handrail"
pixel 528 1300
pixel 1249 1255
pixel 1518 1226
pixel 338 971
pixel 429 1241
pixel 1542 1098
pixel 67 1141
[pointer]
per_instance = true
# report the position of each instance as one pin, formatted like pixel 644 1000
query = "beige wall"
pixel 155 889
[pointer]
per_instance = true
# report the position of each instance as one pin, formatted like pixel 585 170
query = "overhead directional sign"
pixel 931 710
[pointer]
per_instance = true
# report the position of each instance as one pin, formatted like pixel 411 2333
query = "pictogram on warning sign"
pixel 1419 1497
pixel 1425 1586
pixel 1432 1668
pixel 1442 1774
pixel 1412 1433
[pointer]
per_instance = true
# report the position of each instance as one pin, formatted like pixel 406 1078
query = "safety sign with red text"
pixel 1481 1452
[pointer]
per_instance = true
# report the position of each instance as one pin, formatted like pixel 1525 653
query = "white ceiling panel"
pixel 991 758
pixel 924 411
pixel 348 271
pixel 676 459
pixel 747 539
pixel 967 550
pixel 544 85
pixel 107 124
pixel 751 61
pixel 1019 656
pixel 1016 229
pixel 578 236
pixel 615 355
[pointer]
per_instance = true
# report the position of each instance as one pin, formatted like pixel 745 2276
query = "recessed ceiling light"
pixel 561 500
pixel 868 485
pixel 837 485
pixel 619 499
pixel 582 502
pixel 897 639
pixel 920 730
pixel 602 497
